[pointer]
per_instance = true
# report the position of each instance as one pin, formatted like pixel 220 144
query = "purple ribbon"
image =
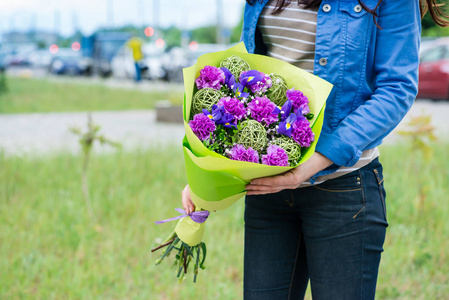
pixel 196 216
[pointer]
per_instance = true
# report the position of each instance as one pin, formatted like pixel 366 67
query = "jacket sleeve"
pixel 395 85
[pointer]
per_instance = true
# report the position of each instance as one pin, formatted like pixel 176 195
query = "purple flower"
pixel 219 116
pixel 263 110
pixel 216 114
pixel 239 152
pixel 250 77
pixel 237 88
pixel 285 110
pixel 202 126
pixel 227 120
pixel 263 85
pixel 302 133
pixel 286 127
pixel 210 77
pixel 276 156
pixel 234 107
pixel 227 74
pixel 299 100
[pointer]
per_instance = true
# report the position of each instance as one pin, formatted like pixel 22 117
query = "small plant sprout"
pixel 87 140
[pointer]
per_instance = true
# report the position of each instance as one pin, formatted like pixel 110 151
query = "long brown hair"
pixel 435 9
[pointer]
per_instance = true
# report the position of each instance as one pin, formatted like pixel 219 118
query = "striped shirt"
pixel 290 36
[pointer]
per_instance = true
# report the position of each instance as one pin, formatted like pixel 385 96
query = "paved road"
pixel 40 133
pixel 439 112
pixel 49 132
pixel 111 82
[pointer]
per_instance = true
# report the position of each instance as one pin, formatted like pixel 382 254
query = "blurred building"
pixel 32 37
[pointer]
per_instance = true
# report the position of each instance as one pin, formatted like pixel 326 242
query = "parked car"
pixel 179 58
pixel 40 58
pixel 2 62
pixel 434 71
pixel 122 64
pixel 153 60
pixel 68 62
pixel 100 48
pixel 19 57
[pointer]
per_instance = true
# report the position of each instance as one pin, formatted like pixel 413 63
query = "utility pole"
pixel 156 18
pixel 141 12
pixel 110 12
pixel 219 29
pixel 57 18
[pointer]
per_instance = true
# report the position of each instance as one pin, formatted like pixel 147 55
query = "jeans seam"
pixel 363 240
pixel 294 267
pixel 290 202
pixel 337 191
pixel 384 204
pixel 363 196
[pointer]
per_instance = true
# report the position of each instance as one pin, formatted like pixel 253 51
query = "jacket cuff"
pixel 337 150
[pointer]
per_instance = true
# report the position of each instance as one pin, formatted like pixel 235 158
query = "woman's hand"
pixel 291 179
pixel 187 202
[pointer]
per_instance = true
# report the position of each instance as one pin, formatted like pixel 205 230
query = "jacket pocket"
pixel 355 25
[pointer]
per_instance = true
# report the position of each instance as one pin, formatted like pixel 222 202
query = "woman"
pixel 326 219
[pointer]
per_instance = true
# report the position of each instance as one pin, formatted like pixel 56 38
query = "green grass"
pixel 42 95
pixel 50 249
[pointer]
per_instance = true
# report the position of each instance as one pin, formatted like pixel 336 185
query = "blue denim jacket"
pixel 374 71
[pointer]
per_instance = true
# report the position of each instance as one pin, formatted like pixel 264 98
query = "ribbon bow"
pixel 196 216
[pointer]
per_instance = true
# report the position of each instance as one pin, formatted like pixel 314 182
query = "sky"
pixel 88 15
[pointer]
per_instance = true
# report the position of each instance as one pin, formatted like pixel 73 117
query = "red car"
pixel 434 72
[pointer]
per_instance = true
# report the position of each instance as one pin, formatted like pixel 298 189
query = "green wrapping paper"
pixel 217 182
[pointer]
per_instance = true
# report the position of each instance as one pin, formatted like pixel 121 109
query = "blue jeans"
pixel 138 72
pixel 331 233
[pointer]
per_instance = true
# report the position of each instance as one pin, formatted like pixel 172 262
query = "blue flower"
pixel 227 120
pixel 250 77
pixel 237 88
pixel 285 110
pixel 227 74
pixel 216 114
pixel 285 127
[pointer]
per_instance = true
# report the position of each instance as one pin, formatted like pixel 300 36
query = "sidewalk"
pixel 42 133
pixel 49 132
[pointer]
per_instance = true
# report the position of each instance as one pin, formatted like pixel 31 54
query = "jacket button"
pixel 326 8
pixel 358 8
pixel 323 61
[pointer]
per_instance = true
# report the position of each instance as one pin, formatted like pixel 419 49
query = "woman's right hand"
pixel 187 202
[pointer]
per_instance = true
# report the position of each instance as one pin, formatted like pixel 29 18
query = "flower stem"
pixel 163 245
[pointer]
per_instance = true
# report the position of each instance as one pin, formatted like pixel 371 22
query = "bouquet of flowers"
pixel 246 116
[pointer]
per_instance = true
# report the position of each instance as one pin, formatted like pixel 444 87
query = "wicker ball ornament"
pixel 253 134
pixel 235 64
pixel 205 99
pixel 292 148
pixel 278 90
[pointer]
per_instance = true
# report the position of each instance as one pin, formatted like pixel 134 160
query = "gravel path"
pixel 42 133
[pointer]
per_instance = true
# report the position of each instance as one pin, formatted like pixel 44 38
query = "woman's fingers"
pixel 187 202
pixel 265 191
pixel 268 185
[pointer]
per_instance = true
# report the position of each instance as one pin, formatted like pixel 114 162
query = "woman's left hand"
pixel 291 179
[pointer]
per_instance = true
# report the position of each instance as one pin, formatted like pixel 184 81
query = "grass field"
pixel 50 249
pixel 42 95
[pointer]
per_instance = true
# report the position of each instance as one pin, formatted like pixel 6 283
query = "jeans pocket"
pixel 380 182
pixel 345 194
pixel 347 183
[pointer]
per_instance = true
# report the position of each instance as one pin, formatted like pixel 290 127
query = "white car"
pixel 40 58
pixel 179 58
pixel 122 64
